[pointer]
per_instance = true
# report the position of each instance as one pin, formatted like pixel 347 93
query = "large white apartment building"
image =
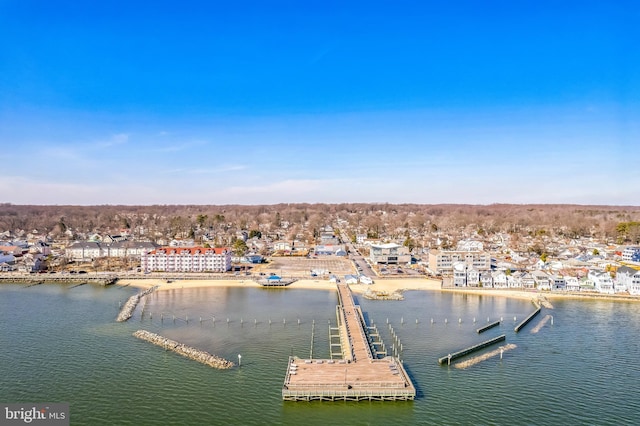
pixel 442 262
pixel 389 254
pixel 187 259
pixel 631 254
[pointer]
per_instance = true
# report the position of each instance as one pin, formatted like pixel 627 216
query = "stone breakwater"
pixel 383 295
pixel 127 310
pixel 184 350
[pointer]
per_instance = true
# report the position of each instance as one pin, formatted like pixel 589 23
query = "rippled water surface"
pixel 62 344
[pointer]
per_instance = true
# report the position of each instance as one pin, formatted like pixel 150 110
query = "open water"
pixel 62 344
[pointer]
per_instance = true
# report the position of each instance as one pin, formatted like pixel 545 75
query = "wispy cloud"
pixel 114 140
pixel 206 170
pixel 181 146
pixel 66 153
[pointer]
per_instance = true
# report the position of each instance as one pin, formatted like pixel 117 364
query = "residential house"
pixel 459 275
pixel 558 283
pixel 601 281
pixel 473 277
pixel 572 283
pixel 12 249
pixel 627 279
pixel 469 245
pixel 499 279
pixel 485 279
pixel 542 280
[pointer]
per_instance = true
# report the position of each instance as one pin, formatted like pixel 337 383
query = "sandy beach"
pixel 383 285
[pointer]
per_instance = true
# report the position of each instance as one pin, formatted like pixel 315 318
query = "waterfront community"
pixel 546 250
pixel 182 290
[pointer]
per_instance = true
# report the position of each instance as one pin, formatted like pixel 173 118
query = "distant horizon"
pixel 252 104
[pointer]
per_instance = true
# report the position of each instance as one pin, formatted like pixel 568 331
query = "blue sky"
pixel 268 102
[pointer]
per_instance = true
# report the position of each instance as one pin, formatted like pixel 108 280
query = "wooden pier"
pixel 357 376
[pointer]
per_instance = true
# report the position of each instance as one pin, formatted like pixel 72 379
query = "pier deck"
pixel 358 376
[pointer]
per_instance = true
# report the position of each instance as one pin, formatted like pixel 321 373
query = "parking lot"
pixel 302 266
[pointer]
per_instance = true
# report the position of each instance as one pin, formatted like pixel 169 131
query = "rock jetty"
pixel 127 310
pixel 187 351
pixel 383 295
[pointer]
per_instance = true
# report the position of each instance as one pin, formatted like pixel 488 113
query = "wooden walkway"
pixel 358 376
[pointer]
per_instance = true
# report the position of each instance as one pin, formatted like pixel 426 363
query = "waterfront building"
pixel 83 251
pixel 631 254
pixel 558 283
pixel 187 259
pixel 499 279
pixel 627 279
pixel 441 261
pixel 601 281
pixel 572 283
pixel 390 253
pixel 542 280
pixel 86 251
pixel 459 275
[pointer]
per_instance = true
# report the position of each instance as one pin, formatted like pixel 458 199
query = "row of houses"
pixel 86 251
pixel 627 280
pixel 352 279
pixel 22 256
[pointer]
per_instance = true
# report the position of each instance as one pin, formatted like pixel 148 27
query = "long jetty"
pixel 528 319
pixel 127 309
pixel 201 356
pixel 453 356
pixel 488 327
pixel 357 376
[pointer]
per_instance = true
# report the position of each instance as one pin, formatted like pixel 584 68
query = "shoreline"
pixel 387 285
pixel 383 285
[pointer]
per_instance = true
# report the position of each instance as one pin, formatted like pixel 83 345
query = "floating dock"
pixel 450 357
pixel 357 376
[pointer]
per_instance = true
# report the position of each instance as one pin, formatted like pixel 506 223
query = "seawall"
pixel 35 279
pixel 203 357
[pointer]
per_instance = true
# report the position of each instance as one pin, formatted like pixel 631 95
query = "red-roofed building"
pixel 187 259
